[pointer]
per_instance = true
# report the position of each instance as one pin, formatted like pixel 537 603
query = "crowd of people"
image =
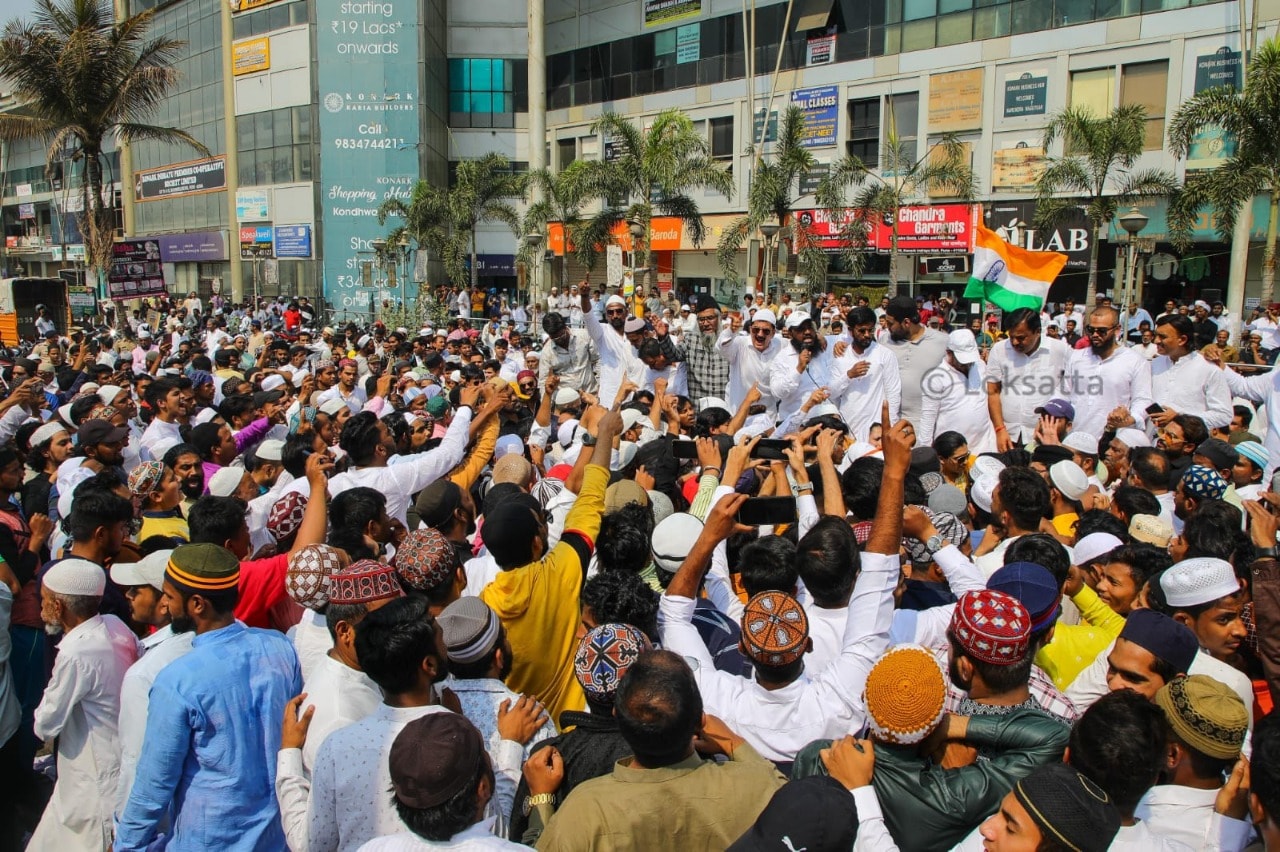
pixel 642 574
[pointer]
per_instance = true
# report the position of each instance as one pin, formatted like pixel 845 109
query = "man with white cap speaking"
pixel 617 355
pixel 749 356
pixel 81 706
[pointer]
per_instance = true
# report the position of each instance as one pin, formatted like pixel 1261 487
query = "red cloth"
pixel 292 319
pixel 261 589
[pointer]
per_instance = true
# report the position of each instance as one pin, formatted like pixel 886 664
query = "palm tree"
pixel 652 173
pixel 445 221
pixel 1251 119
pixel 1096 172
pixel 561 199
pixel 878 196
pixel 83 82
pixel 774 187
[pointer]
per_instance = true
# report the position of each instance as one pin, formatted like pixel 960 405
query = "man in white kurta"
pixel 955 397
pixel 80 709
pixel 1024 371
pixel 1106 378
pixel 1183 382
pixel 749 354
pixel 866 375
pixel 617 355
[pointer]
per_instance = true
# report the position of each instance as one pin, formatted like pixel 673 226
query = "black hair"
pixel 1215 529
pixel 552 323
pixel 1203 765
pixel 860 485
pixel 1143 560
pixel 350 613
pixel 768 565
pixel 393 640
pixel 1245 413
pixel 155 543
pixel 1043 550
pixel 1194 431
pixel 236 405
pixel 650 348
pixel 81 407
pixel 658 708
pixel 624 540
pixel 860 315
pixel 359 437
pixel 160 388
pixel 458 813
pixel 96 505
pixel 1019 316
pixel 1119 744
pixel 947 443
pixel 1264 768
pixel 999 679
pixel 479 669
pixel 1181 325
pixel 828 561
pixel 1132 500
pixel 1025 496
pixel 293 458
pixel 216 520
pixel 350 513
pixel 708 419
pixel 620 597
pixel 1100 520
pixel 177 451
pixel 205 438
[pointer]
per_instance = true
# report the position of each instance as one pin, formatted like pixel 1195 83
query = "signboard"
pixel 246 5
pixel 810 180
pixel 196 247
pixel 820 50
pixel 922 228
pixel 253 205
pixel 1220 68
pixel 821 107
pixel 758 125
pixel 613 265
pixel 255 242
pixel 689 43
pixel 293 241
pixel 1026 94
pixel 955 101
pixel 495 265
pixel 1014 222
pixel 1016 168
pixel 659 12
pixel 944 265
pixel 27 210
pixel 191 178
pixel 368 130
pixel 250 56
pixel 24 190
pixel 135 270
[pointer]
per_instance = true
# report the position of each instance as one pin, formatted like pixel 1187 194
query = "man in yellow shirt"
pixel 536 594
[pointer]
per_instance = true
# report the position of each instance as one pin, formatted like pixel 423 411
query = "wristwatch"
pixel 531 802
pixel 934 543
pixel 1270 552
pixel 588 440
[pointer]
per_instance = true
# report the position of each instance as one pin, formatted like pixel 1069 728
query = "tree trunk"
pixel 475 273
pixel 1269 253
pixel 893 255
pixel 1091 289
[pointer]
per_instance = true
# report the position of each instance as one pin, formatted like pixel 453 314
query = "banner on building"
pixel 250 56
pixel 922 228
pixel 820 50
pixel 369 132
pixel 1026 94
pixel 955 101
pixel 190 178
pixel 256 242
pixel 1018 167
pixel 136 270
pixel 293 241
pixel 253 205
pixel 660 12
pixel 821 107
pixel 194 247
pixel 1014 222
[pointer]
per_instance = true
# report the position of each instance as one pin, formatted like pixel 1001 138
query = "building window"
pixel 1144 84
pixel 1094 90
pixel 720 138
pixel 481 93
pixel 904 123
pixel 566 153
pixel 864 131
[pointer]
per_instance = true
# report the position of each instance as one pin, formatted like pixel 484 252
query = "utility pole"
pixel 537 124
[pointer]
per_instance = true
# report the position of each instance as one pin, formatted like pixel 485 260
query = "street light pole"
pixel 1133 222
pixel 637 230
pixel 768 230
pixel 533 240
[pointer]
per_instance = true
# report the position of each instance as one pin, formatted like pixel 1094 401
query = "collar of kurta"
pixel 623 770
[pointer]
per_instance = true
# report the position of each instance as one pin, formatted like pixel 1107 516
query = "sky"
pixel 16 9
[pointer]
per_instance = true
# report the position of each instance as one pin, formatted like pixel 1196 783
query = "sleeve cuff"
pixel 289 762
pixel 868 806
pixel 508 758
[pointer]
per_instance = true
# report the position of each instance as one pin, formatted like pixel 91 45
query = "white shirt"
pixel 1096 387
pixel 1268 329
pixel 860 400
pixel 1263 388
pixel 355 401
pixel 1186 815
pixel 400 482
pixel 1026 382
pixel 158 650
pixel 575 365
pixel 826 630
pixel 953 401
pixel 341 695
pixel 81 708
pixel 747 366
pixel 481 571
pixel 477 838
pixel 311 641
pixel 1139 838
pixel 616 357
pixel 818 704
pixel 791 387
pixel 1146 350
pixel 158 438
pixel 675 375
pixel 1191 385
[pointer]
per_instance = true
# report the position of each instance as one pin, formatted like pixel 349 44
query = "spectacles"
pixel 615 311
pixel 960 459
pixel 1098 329
pixel 528 387
pixel 763 331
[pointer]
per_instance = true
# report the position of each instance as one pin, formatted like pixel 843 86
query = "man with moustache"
pixel 869 375
pixel 1024 371
pixel 185 461
pixel 1108 385
pixel 617 355
pixel 801 368
pixel 749 356
pixel 1183 382
pixel 918 349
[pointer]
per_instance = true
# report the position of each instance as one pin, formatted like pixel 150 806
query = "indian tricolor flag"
pixel 1011 277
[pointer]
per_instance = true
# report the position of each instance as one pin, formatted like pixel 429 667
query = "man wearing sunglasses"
pixel 1108 385
pixel 749 356
pixel 616 354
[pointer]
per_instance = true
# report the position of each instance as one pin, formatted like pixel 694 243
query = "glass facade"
pixel 277 16
pixel 487 92
pixel 278 146
pixel 644 64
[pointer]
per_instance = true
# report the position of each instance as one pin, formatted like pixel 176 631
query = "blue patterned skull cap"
pixel 603 657
pixel 1203 483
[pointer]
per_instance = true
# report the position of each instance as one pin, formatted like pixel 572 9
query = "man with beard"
pixel 139 353
pixel 446 507
pixel 616 354
pixel 1024 371
pixel 214 722
pixel 1183 382
pixel 1108 385
pixel 570 355
pixel 749 356
pixel 917 348
pixel 81 705
pixel 185 462
pixel 169 408
pixel 869 374
pixel 1178 439
pixel 708 370
pixel 801 368
pixel 143 583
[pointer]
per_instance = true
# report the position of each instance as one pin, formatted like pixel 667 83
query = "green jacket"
pixel 927 807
